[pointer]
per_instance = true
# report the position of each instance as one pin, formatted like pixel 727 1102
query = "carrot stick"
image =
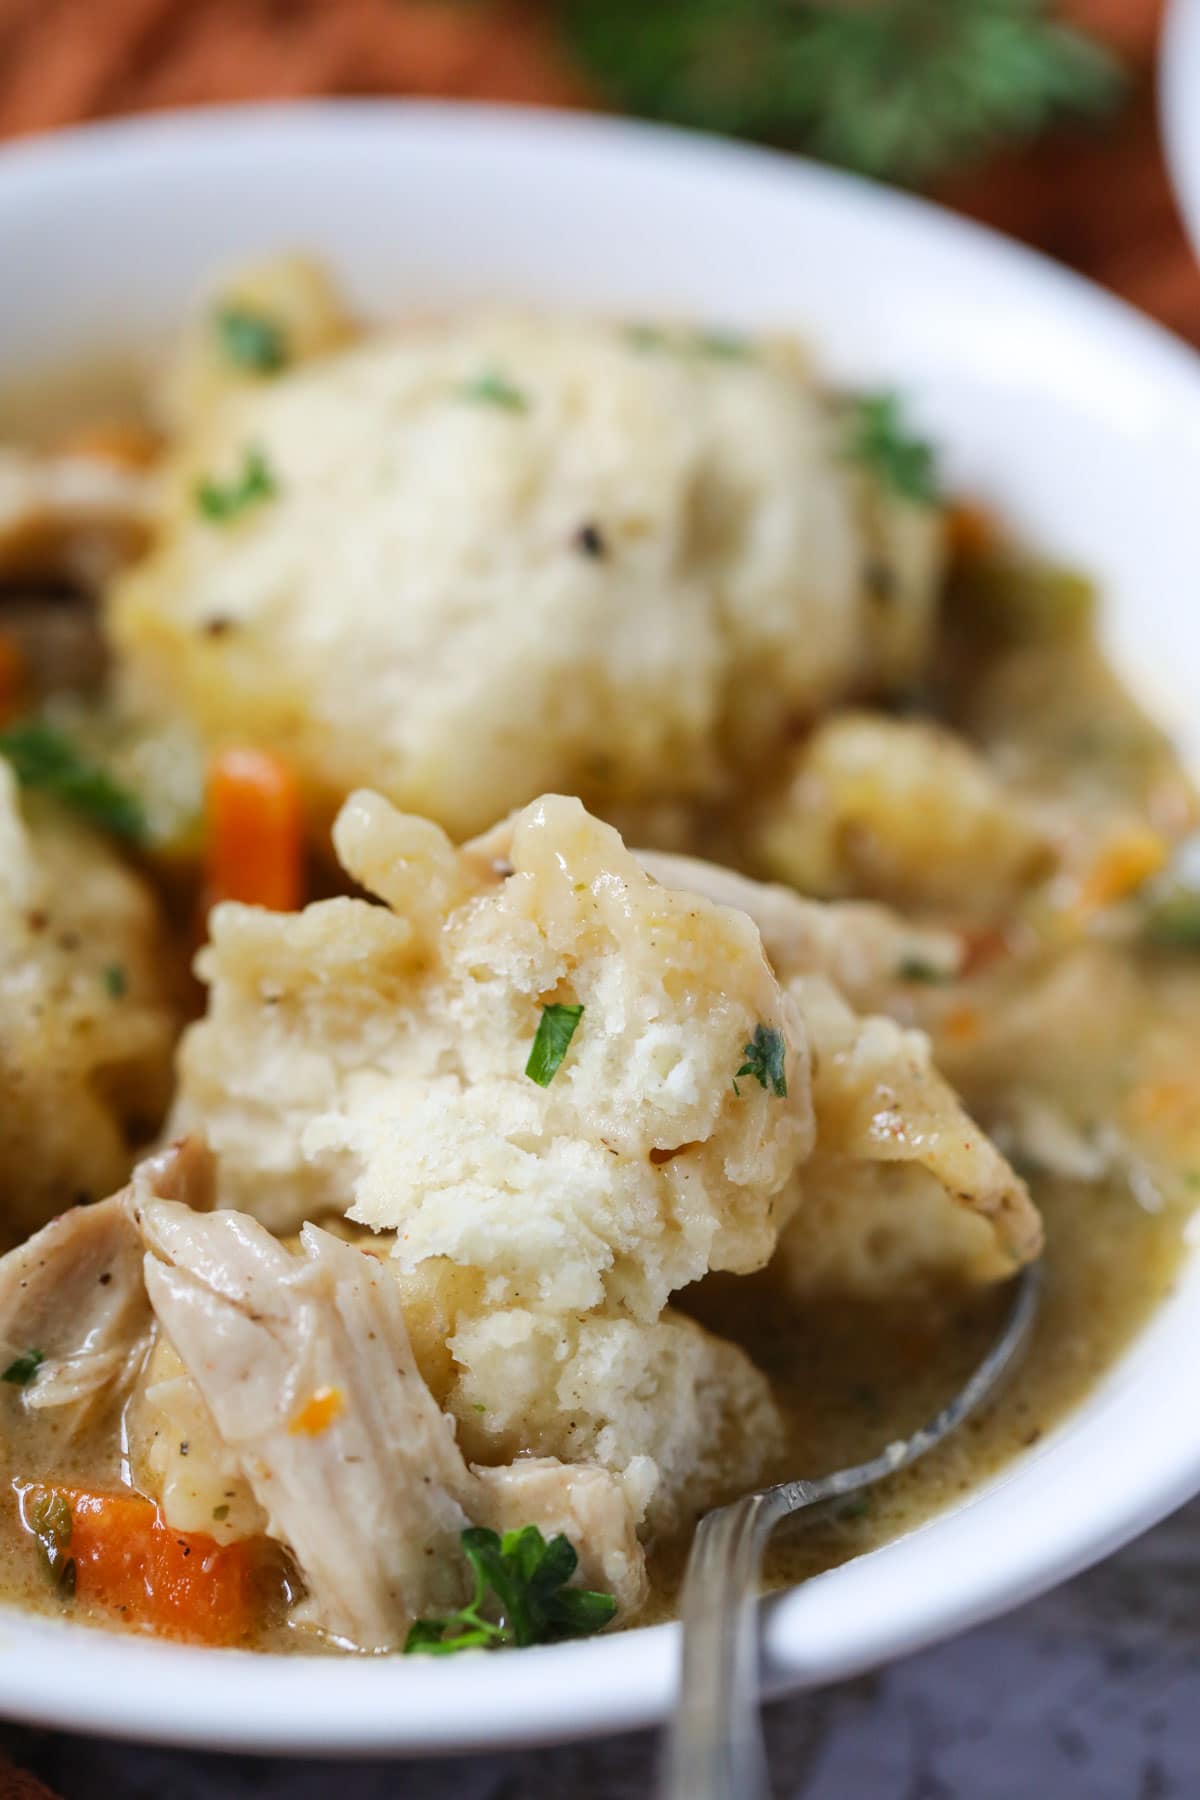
pixel 255 831
pixel 128 1560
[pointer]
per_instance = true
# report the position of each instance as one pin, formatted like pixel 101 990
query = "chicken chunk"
pixel 74 1291
pixel 861 947
pixel 491 555
pixel 87 1013
pixel 304 1362
pixel 78 517
pixel 370 1061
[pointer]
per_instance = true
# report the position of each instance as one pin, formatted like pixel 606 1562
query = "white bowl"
pixel 1179 106
pixel 1077 418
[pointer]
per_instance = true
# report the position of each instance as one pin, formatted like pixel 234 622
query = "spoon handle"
pixel 714 1747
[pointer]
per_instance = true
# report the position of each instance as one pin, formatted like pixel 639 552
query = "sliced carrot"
pixel 318 1412
pixel 13 676
pixel 1127 860
pixel 179 1584
pixel 971 531
pixel 962 1025
pixel 122 442
pixel 255 849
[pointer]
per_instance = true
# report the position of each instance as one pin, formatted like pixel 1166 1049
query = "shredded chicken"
pixel 74 1291
pixel 77 516
pixel 304 1362
pixel 861 946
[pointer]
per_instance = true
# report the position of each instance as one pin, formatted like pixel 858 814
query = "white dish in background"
pixel 1179 107
pixel 1076 418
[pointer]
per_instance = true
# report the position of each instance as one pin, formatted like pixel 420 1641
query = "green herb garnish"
pixel 252 340
pixel 726 345
pixel 221 1512
pixel 527 1580
pixel 915 968
pixel 116 982
pixel 555 1030
pixel 221 501
pixel 880 441
pixel 765 1055
pixel 1172 922
pixel 43 757
pixel 51 1523
pixel 490 388
pixel 900 89
pixel 22 1369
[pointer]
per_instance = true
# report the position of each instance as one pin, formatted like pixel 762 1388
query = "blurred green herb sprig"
pixel 903 90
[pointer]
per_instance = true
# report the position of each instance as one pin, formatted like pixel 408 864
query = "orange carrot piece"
pixel 255 847
pixel 13 676
pixel 123 442
pixel 179 1584
pixel 971 531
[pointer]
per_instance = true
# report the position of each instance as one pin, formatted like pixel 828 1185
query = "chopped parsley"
pixel 51 1523
pixel 765 1055
pixel 916 968
pixel 491 388
pixel 555 1030
pixel 1172 921
pixel 252 340
pixel 220 1513
pixel 44 757
pixel 526 1578
pixel 880 441
pixel 22 1369
pixel 116 982
pixel 222 501
pixel 726 345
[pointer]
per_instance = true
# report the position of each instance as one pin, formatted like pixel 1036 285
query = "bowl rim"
pixel 134 1688
pixel 1178 108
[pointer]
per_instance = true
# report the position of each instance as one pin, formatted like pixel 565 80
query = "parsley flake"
pixel 51 1523
pixel 44 757
pixel 765 1055
pixel 252 340
pixel 491 388
pixel 554 1033
pixel 22 1369
pixel 116 982
pixel 879 440
pixel 527 1580
pixel 222 501
pixel 916 968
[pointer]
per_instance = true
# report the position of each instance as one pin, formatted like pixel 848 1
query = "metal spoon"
pixel 714 1745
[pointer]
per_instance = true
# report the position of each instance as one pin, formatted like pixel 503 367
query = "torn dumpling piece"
pixel 904 1190
pixel 372 1061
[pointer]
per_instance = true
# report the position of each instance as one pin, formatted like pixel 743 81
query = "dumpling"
pixel 484 557
pixel 87 1013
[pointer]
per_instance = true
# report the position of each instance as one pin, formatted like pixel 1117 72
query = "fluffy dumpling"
pixel 904 1191
pixel 901 810
pixel 494 555
pixel 87 1016
pixel 370 1061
